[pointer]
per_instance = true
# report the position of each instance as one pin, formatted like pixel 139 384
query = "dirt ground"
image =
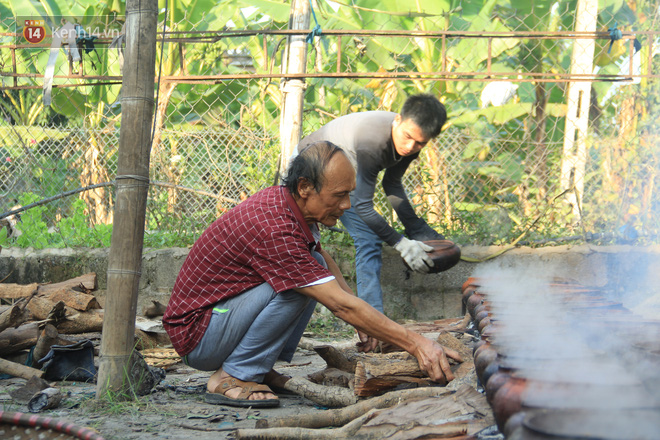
pixel 175 409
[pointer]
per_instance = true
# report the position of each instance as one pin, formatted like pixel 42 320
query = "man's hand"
pixel 432 359
pixel 367 343
pixel 414 253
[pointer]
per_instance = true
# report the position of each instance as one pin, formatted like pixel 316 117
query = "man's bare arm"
pixel 367 343
pixel 431 356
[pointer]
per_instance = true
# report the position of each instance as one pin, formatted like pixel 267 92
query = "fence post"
pixel 132 185
pixel 295 61
pixel 574 155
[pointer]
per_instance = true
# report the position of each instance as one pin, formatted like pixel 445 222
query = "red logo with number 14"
pixel 34 31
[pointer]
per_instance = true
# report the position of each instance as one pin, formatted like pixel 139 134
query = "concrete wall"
pixel 406 295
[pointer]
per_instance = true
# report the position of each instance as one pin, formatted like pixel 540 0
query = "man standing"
pixel 250 283
pixel 377 141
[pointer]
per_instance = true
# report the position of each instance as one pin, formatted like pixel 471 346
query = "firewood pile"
pixel 385 395
pixel 43 315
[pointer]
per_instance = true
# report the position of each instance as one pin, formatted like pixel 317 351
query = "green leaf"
pixel 472 149
pixel 68 102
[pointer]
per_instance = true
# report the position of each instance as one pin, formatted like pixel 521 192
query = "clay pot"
pixel 490 369
pixel 471 281
pixel 565 395
pixel 480 308
pixel 483 322
pixel 473 301
pixel 476 346
pixel 445 255
pixel 482 358
pixel 467 293
pixel 590 424
pixel 484 345
pixel 508 400
pixel 514 423
pixel 494 383
pixel 488 331
pixel 481 315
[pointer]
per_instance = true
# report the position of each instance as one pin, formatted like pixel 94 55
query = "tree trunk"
pixel 574 155
pixel 164 94
pixel 540 147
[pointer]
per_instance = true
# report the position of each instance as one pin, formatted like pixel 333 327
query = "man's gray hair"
pixel 310 164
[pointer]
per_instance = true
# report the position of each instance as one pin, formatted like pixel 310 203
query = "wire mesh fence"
pixel 494 175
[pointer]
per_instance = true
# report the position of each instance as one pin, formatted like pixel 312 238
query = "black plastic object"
pixel 70 362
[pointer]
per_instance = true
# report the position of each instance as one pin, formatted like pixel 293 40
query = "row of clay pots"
pixel 505 389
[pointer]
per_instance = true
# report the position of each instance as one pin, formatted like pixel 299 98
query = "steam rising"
pixel 578 347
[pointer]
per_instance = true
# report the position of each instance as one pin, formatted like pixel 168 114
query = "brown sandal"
pixel 218 397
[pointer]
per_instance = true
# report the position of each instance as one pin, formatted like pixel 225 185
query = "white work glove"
pixel 414 253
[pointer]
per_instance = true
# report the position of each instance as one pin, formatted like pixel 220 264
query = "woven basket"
pixel 16 425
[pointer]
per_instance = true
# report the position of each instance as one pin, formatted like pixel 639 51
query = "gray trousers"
pixel 248 333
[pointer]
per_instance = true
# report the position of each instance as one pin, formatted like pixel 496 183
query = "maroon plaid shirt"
pixel 262 240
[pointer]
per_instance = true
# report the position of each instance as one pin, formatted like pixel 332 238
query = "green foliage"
pixel 33 229
pixel 325 326
pixel 72 230
pixel 500 191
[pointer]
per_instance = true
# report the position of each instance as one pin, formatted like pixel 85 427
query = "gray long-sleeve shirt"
pixel 367 138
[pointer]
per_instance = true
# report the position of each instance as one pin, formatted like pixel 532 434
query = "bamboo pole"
pixel 132 184
pixel 293 89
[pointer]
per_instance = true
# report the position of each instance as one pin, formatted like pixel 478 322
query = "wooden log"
pixel 378 373
pixel 14 291
pixel 83 283
pixel 331 397
pixel 47 338
pixel 355 430
pixel 72 298
pixel 13 340
pixel 18 370
pixel 407 414
pixel 446 339
pixel 45 399
pixel 82 322
pixel 44 309
pixel 344 360
pixel 13 317
pixel 333 377
pixel 342 416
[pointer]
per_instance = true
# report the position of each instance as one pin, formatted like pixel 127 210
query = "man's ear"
pixel 397 120
pixel 304 187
